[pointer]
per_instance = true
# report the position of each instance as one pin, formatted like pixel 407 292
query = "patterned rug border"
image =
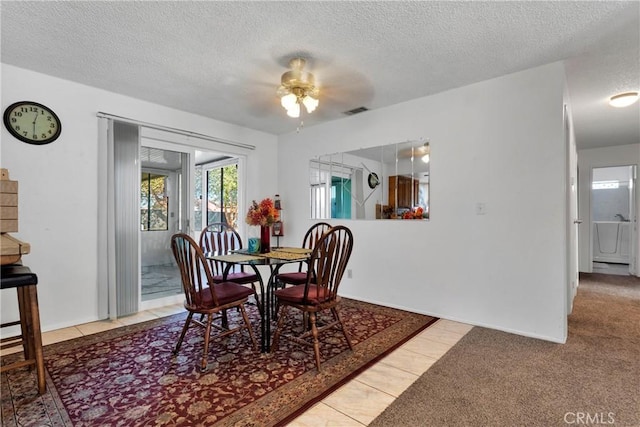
pixel 316 385
pixel 354 373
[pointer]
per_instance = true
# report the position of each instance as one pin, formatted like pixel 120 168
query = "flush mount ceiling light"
pixel 425 149
pixel 298 88
pixel 623 99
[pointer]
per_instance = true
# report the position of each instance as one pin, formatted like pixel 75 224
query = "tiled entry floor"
pixel 160 281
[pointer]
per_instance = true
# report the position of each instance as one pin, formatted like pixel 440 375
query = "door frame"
pixel 633 215
pixel 185 211
pixel 573 222
pixel 619 155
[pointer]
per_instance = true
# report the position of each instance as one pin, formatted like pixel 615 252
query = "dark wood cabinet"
pixel 405 188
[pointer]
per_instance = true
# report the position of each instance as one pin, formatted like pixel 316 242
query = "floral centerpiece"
pixel 263 214
pixel 416 213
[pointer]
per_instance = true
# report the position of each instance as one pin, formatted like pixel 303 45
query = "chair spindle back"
pixel 194 269
pixel 312 236
pixel 328 262
pixel 221 239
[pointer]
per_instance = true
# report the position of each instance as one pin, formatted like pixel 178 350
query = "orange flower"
pixel 263 213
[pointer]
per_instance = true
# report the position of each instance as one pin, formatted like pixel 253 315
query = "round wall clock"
pixel 32 123
pixel 373 180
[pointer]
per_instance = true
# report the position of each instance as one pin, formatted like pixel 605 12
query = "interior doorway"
pixel 612 216
pixel 340 197
pixel 161 215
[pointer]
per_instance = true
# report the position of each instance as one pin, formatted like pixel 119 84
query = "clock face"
pixel 373 179
pixel 32 123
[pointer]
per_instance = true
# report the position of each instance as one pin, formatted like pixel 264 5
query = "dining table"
pixel 274 259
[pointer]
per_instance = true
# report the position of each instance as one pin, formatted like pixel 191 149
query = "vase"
pixel 265 239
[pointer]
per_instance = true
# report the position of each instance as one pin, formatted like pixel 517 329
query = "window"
pixel 331 191
pixel 218 186
pixel 154 202
pixel 320 190
pixel 318 201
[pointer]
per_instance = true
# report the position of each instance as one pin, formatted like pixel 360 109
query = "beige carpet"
pixel 492 378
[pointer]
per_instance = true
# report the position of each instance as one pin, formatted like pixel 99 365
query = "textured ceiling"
pixel 224 59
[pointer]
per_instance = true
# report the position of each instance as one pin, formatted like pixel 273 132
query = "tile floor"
pixel 160 281
pixel 358 402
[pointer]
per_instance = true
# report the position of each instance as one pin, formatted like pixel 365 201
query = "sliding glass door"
pixel 162 208
pixel 148 192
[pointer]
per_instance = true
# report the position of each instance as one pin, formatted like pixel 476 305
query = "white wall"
pixel 58 185
pixel 498 142
pixel 595 158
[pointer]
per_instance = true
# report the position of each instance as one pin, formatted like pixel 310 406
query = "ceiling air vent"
pixel 356 111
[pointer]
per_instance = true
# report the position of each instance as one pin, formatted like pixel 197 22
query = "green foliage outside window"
pixel 222 195
pixel 154 203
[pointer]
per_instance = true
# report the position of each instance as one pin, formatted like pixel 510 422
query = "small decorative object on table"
pixel 263 214
pixel 254 245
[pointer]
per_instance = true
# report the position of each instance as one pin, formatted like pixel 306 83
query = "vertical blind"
pixel 127 228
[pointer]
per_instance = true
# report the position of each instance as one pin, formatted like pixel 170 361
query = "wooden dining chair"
pixel 205 297
pixel 310 238
pixel 320 293
pixel 221 239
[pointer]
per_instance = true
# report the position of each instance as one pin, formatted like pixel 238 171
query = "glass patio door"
pixel 136 220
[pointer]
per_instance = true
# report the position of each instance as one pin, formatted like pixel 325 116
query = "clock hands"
pixel 34 123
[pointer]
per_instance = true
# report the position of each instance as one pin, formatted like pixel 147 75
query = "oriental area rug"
pixel 130 377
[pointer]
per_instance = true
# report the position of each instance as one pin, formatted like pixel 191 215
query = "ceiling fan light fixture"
pixel 623 99
pixel 288 101
pixel 294 111
pixel 310 103
pixel 298 87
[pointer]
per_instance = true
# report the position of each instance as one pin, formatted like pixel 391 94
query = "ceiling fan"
pixel 337 87
pixel 298 87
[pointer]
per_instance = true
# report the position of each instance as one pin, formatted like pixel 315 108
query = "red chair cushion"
pixel 240 277
pixel 295 295
pixel 227 292
pixel 297 278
